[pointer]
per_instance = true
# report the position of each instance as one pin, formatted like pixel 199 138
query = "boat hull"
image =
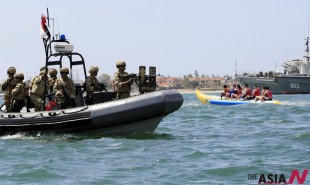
pixel 140 113
pixel 279 85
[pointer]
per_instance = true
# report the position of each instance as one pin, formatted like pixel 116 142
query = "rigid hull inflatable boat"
pixel 140 113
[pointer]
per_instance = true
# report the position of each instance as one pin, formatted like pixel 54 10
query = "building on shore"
pixel 191 82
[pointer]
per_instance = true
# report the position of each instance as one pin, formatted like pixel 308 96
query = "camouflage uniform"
pixel 42 71
pixel 121 82
pixel 64 90
pixel 37 93
pixel 92 85
pixel 7 87
pixel 52 79
pixel 19 94
pixel 51 83
pixel 31 82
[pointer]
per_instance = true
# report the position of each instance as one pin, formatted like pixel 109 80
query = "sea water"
pixel 198 144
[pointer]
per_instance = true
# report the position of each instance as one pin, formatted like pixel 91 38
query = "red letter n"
pixel 295 174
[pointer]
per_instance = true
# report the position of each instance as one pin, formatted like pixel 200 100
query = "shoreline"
pixel 192 91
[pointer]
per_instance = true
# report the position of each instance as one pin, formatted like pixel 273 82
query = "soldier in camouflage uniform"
pixel 42 71
pixel 92 85
pixel 122 82
pixel 52 79
pixel 8 86
pixel 18 93
pixel 37 90
pixel 64 90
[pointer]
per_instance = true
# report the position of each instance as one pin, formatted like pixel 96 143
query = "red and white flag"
pixel 44 31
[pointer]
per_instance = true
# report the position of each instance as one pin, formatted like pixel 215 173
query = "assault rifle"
pixel 68 101
pixel 11 104
pixel 102 87
pixel 99 87
pixel 49 96
pixel 132 76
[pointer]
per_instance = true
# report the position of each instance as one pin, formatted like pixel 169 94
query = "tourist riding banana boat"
pixel 136 114
pixel 216 100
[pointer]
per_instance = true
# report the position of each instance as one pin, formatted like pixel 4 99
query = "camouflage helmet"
pixel 42 70
pixel 11 70
pixel 120 63
pixel 64 70
pixel 19 75
pixel 93 69
pixel 52 72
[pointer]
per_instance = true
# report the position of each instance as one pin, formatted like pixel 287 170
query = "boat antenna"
pixel 236 67
pixel 307 44
pixel 307 52
pixel 275 69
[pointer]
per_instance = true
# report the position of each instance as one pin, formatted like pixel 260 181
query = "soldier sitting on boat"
pixel 18 93
pixel 8 86
pixel 122 81
pixel 92 85
pixel 64 90
pixel 37 90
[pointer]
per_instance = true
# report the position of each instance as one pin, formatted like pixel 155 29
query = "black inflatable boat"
pixel 140 113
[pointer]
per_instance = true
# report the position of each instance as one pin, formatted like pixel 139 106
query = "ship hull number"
pixel 294 85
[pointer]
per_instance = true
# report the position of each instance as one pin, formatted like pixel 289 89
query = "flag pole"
pixel 46 61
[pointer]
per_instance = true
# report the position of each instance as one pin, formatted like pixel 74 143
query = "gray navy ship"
pixel 295 78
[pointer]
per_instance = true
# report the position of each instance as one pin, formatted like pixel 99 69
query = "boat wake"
pixel 78 137
pixel 191 105
pixel 18 136
pixel 296 103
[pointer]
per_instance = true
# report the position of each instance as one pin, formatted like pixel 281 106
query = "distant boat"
pixel 295 78
pixel 216 100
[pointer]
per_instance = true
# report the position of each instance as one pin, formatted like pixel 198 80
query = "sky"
pixel 179 37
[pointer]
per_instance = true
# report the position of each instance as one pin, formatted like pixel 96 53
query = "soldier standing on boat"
pixel 122 82
pixel 37 90
pixel 18 93
pixel 52 79
pixel 64 90
pixel 42 71
pixel 92 85
pixel 8 86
